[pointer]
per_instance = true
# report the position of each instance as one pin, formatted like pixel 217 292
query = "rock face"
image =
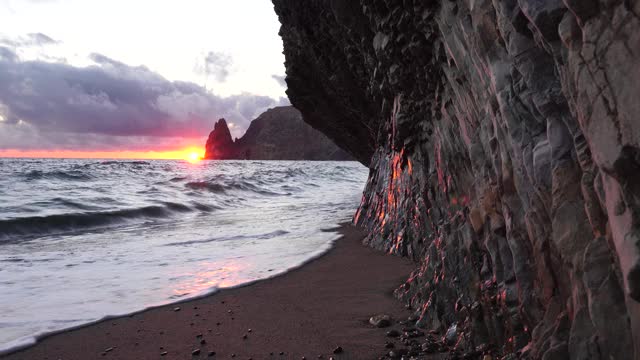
pixel 504 144
pixel 278 134
pixel 220 145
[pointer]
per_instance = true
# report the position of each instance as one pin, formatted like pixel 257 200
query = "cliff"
pixel 278 134
pixel 503 140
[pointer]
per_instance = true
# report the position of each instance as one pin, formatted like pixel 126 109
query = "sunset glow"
pixel 191 154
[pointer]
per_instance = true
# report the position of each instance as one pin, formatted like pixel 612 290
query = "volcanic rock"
pixel 504 145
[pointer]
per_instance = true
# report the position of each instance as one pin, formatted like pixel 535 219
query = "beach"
pixel 305 313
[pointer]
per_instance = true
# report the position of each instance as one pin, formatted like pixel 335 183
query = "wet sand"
pixel 307 312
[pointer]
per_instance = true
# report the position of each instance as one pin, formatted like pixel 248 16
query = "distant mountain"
pixel 278 134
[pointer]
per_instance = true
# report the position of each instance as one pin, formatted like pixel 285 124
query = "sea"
pixel 84 240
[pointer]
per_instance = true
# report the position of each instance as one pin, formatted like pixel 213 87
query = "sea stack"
pixel 219 144
pixel 503 139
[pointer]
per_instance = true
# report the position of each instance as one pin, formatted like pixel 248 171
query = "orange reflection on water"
pixel 212 275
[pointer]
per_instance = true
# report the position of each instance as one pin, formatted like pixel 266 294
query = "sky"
pixel 129 78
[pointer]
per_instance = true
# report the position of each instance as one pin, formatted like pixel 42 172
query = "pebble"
pixel 198 336
pixel 338 350
pixel 203 341
pixel 211 353
pixel 163 353
pixel 108 349
pixel 177 308
pixel 380 321
pixel 393 333
pixel 413 334
pixel 195 352
pixel 397 353
pixel 244 336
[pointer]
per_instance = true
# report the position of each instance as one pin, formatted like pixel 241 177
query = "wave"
pixel 205 185
pixel 227 238
pixel 205 208
pixel 124 163
pixel 178 178
pixel 73 204
pixel 60 223
pixel 239 185
pixel 72 175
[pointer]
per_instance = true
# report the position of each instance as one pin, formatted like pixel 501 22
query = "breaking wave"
pixel 59 223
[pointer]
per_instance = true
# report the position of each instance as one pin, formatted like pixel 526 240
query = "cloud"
pixel 280 79
pixel 7 54
pixel 56 105
pixel 33 39
pixel 215 64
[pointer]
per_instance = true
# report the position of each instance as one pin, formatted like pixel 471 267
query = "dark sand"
pixel 306 312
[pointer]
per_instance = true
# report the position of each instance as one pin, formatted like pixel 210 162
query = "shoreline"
pixel 43 336
pixel 305 312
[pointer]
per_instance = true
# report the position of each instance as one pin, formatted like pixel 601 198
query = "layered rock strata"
pixel 503 139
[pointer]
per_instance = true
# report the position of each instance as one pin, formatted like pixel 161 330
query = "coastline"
pixel 294 314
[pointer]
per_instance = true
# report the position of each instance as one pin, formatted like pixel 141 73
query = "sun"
pixel 191 154
pixel 193 157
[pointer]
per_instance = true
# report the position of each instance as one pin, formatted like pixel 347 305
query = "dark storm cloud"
pixel 215 64
pixel 110 101
pixel 280 79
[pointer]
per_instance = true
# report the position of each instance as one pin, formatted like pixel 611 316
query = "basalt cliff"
pixel 503 139
pixel 277 134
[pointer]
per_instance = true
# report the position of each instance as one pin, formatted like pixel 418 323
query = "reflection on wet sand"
pixel 210 276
